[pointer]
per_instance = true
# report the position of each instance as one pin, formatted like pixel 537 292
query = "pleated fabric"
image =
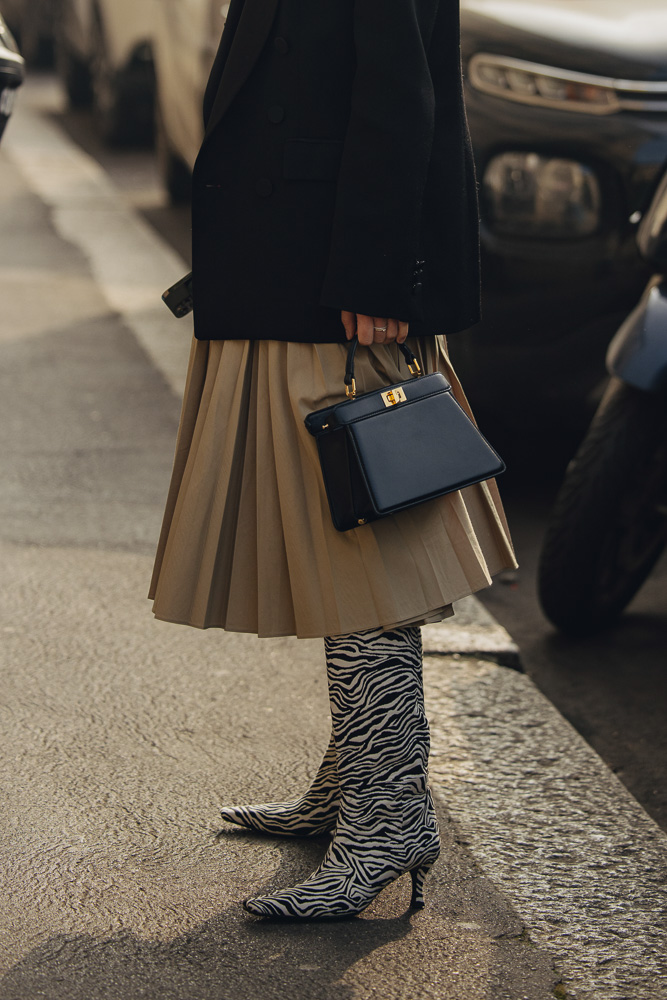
pixel 247 541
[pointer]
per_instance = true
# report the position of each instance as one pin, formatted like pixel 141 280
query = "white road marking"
pixel 131 264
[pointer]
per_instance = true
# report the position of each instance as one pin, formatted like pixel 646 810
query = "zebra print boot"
pixel 386 823
pixel 315 812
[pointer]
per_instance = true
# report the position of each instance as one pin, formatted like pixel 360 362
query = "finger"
pixel 380 327
pixel 365 329
pixel 403 330
pixel 392 331
pixel 349 321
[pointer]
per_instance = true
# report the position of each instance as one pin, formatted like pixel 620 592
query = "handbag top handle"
pixel 350 384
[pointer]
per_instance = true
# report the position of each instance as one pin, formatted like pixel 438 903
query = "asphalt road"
pixel 613 688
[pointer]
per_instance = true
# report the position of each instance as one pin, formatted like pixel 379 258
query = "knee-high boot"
pixel 386 822
pixel 315 812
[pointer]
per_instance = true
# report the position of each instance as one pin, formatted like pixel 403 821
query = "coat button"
pixel 417 287
pixel 281 45
pixel 275 114
pixel 263 187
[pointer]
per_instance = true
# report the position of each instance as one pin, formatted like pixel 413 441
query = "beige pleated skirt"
pixel 247 542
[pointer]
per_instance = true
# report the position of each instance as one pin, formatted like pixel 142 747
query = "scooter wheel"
pixel 608 526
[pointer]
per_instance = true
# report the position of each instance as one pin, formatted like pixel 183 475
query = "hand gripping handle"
pixel 350 384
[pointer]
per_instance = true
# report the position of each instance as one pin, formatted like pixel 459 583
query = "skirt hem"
pixel 419 618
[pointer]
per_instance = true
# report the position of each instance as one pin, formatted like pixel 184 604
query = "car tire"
pixel 175 173
pixel 113 114
pixel 608 526
pixel 122 98
pixel 75 76
pixel 36 48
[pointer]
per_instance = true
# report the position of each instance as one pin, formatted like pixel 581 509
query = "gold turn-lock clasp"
pixel 394 396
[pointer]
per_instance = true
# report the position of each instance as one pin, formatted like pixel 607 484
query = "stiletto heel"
pixel 418 880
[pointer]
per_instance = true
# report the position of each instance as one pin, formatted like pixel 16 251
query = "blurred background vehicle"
pixel 33 22
pixel 608 527
pixel 568 111
pixel 186 37
pixel 104 57
pixel 11 73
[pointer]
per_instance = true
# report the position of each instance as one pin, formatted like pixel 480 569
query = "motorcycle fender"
pixel 638 352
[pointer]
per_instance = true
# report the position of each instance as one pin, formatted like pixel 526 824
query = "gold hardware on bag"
pixel 415 369
pixel 362 520
pixel 394 396
pixel 351 390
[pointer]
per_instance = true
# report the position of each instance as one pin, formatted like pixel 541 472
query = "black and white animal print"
pixel 314 813
pixel 386 824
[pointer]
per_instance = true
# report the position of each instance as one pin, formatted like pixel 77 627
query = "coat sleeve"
pixel 386 154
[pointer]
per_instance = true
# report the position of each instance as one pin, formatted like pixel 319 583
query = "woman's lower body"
pixel 248 545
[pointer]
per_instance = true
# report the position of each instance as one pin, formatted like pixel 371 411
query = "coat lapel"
pixel 240 55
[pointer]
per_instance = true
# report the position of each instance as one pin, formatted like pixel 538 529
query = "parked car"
pixel 568 111
pixel 33 22
pixel 104 56
pixel 11 73
pixel 186 36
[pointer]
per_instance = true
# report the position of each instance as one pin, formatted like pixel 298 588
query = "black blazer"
pixel 336 172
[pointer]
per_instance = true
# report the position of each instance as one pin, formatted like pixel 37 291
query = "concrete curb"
pixel 472 632
pixel 583 864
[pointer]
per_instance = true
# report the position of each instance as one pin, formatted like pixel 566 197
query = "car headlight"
pixel 526 194
pixel 532 83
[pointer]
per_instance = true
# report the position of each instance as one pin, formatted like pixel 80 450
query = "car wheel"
pixel 36 48
pixel 113 118
pixel 122 99
pixel 608 526
pixel 175 173
pixel 74 74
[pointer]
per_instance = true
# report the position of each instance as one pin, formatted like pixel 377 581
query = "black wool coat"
pixel 336 172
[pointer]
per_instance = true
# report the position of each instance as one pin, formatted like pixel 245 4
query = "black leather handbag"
pixel 394 448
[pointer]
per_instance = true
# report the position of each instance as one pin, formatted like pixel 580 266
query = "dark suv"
pixel 567 101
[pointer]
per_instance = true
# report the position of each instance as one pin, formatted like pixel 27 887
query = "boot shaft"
pixel 377 707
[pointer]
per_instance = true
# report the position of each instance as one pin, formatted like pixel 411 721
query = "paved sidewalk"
pixel 121 736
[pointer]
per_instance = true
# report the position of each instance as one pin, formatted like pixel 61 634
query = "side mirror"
pixel 11 73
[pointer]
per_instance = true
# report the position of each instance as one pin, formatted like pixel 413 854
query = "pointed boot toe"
pixel 258 908
pixel 231 815
pixel 313 814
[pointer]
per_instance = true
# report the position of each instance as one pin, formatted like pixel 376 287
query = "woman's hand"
pixel 373 329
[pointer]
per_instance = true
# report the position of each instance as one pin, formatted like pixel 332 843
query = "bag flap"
pixel 347 411
pixel 393 397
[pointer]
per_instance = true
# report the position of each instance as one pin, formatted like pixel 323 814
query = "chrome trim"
pixel 8 56
pixel 617 88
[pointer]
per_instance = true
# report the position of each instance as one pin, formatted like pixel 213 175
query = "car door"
pixel 129 26
pixel 188 32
